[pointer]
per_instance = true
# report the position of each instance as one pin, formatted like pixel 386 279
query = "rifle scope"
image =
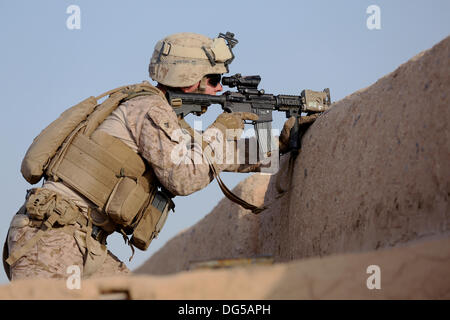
pixel 247 82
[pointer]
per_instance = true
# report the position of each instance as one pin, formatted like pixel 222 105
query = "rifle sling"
pixel 229 194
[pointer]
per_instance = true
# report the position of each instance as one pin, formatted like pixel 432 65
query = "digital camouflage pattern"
pixel 53 254
pixel 156 130
pixel 154 127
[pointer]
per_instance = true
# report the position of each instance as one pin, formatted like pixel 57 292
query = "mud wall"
pixel 374 172
pixel 418 271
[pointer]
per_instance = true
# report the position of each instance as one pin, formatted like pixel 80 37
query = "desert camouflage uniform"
pixel 147 124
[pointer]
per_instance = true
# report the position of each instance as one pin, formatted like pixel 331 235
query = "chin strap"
pixel 202 86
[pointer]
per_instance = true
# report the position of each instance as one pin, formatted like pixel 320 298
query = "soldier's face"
pixel 211 88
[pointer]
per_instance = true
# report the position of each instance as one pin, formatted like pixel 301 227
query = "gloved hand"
pixel 228 123
pixel 285 136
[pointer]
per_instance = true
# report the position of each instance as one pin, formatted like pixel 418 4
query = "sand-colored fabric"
pixel 54 252
pixel 181 59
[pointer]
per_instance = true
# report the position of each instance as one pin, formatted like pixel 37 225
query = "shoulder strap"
pixel 97 116
pixel 117 96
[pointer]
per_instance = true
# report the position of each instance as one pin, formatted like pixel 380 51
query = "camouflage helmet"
pixel 183 59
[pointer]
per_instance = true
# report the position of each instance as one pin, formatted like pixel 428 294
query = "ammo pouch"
pixel 127 199
pixel 116 179
pixel 42 203
pixel 152 221
pixel 139 212
pixel 49 209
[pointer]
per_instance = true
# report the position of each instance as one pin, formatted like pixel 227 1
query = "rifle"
pixel 248 98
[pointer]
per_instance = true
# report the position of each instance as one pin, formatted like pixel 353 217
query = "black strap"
pixel 6 266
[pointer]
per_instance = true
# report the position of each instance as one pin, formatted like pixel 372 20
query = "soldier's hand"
pixel 304 123
pixel 232 124
pixel 235 120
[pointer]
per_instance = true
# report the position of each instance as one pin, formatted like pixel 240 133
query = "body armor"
pixel 101 167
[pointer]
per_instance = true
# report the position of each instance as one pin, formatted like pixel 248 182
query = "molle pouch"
pixel 152 221
pixel 40 203
pixel 126 201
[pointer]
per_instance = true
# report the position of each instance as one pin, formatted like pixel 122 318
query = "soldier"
pixel 85 197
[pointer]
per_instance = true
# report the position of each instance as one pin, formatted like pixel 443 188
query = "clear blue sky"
pixel 45 67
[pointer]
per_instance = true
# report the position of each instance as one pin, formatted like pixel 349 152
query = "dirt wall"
pixel 418 271
pixel 373 173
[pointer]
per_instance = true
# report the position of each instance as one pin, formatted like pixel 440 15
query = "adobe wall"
pixel 418 271
pixel 373 173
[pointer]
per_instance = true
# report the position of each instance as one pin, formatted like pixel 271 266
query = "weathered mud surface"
pixel 373 173
pixel 419 271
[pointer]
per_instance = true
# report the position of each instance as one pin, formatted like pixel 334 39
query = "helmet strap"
pixel 202 86
pixel 200 89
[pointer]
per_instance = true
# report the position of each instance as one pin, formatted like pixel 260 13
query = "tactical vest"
pixel 101 167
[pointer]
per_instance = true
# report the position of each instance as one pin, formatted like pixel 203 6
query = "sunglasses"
pixel 214 79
